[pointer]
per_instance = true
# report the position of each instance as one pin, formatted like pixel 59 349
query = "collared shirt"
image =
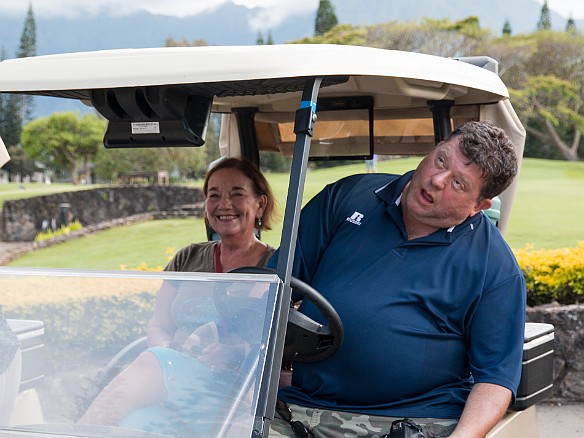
pixel 423 318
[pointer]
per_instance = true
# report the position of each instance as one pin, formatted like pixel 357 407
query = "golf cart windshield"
pixel 79 328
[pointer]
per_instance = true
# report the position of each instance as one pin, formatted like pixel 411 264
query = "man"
pixel 431 297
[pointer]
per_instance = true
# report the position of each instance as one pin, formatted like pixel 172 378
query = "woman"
pixel 238 200
pixel 188 344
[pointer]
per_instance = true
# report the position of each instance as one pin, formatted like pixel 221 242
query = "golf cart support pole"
pixel 303 128
pixel 441 117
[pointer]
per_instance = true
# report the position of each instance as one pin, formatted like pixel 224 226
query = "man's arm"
pixel 485 406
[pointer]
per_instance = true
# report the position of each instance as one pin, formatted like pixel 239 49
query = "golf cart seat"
pixel 27 407
pixel 537 372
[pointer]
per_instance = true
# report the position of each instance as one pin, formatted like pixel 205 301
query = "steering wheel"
pixel 306 339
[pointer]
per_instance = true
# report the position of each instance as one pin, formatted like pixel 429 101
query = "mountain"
pixel 229 24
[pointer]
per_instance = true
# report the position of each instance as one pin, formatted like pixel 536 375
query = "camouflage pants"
pixel 335 424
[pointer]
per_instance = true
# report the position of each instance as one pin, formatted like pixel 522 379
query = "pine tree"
pixel 270 40
pixel 544 22
pixel 16 109
pixel 326 18
pixel 507 28
pixel 11 119
pixel 260 39
pixel 571 25
pixel 10 116
pixel 27 45
pixel 26 48
pixel 2 96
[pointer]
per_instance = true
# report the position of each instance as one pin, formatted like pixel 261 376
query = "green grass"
pixel 548 212
pixel 549 205
pixel 131 245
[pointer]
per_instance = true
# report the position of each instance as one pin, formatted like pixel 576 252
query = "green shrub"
pixel 553 274
pixel 83 326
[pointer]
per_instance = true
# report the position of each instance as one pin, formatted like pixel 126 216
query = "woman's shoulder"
pixel 199 247
pixel 266 257
pixel 196 257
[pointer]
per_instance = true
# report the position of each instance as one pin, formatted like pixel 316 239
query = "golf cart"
pixel 307 101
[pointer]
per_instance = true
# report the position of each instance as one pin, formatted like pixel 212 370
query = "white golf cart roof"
pixel 383 72
pixel 134 85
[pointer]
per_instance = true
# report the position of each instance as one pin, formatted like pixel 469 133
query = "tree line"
pixel 544 71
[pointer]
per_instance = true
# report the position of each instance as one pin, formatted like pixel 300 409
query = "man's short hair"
pixel 492 151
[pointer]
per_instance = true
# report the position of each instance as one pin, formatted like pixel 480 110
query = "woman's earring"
pixel 259 222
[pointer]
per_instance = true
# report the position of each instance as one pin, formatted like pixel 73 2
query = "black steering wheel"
pixel 306 339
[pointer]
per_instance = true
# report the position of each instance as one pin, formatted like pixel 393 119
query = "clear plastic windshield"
pixel 135 354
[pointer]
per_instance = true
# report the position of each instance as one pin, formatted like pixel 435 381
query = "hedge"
pixel 553 274
pixel 81 317
pixel 92 324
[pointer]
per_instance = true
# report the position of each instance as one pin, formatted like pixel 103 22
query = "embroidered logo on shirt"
pixel 355 218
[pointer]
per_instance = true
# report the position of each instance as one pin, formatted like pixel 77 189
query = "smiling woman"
pixel 237 198
pixel 238 202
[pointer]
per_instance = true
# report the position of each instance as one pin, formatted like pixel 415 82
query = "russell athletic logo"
pixel 355 218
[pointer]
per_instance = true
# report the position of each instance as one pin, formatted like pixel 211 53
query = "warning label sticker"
pixel 145 128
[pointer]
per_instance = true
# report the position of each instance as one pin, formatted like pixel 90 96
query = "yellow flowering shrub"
pixel 170 251
pixel 553 274
pixel 145 267
pixel 65 229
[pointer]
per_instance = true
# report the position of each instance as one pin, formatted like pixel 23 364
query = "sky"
pixel 179 8
pixel 276 11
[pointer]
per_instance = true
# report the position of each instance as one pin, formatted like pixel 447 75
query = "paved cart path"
pixel 560 421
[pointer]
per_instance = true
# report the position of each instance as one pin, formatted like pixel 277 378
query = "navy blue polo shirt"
pixel 423 318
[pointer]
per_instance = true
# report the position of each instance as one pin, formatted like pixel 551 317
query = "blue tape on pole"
pixel 308 104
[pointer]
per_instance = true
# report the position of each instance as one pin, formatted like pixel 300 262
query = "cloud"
pixel 275 10
pixel 76 8
pixel 273 13
pixel 566 8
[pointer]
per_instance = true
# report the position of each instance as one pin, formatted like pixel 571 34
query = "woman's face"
pixel 231 205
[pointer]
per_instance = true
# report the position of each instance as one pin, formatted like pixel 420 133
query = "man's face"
pixel 443 192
